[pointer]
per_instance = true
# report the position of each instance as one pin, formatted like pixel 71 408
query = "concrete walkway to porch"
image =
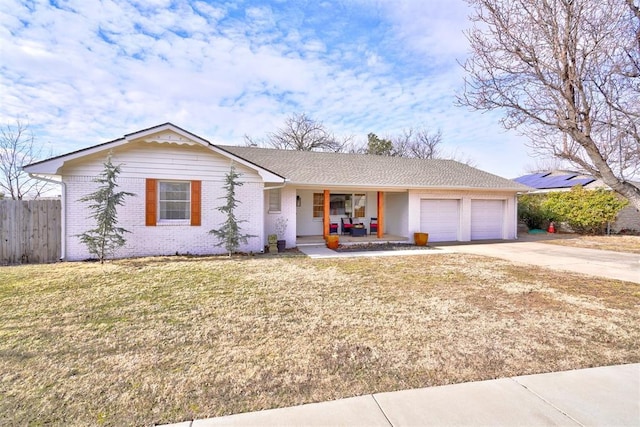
pixel 321 251
pixel 348 239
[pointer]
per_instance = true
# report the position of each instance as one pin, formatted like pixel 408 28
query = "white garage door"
pixel 487 219
pixel 440 218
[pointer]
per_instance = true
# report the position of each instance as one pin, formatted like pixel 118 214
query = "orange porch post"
pixel 380 214
pixel 325 216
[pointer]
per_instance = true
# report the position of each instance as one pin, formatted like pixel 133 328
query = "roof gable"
pixel 166 133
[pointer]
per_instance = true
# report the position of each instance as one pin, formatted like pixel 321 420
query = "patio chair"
pixel 333 228
pixel 373 225
pixel 346 225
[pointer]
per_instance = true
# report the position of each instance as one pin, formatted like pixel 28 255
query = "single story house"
pixel 561 180
pixel 178 180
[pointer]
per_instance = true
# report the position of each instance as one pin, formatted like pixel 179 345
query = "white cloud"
pixel 96 70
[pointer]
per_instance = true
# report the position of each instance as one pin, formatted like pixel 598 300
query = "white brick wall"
pixel 163 239
pixel 288 210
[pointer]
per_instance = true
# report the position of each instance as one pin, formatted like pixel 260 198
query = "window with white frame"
pixel 174 200
pixel 275 200
pixel 318 205
pixel 359 205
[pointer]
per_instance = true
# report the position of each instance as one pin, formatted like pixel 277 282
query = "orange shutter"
pixel 151 202
pixel 196 202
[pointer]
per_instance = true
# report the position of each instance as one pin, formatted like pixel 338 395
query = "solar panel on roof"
pixel 529 179
pixel 545 181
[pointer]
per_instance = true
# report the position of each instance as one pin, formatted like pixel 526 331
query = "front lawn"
pixel 159 340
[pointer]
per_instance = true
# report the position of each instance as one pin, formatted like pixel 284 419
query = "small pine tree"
pixel 103 240
pixel 229 231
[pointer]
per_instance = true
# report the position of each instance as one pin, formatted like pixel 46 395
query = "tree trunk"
pixel 604 172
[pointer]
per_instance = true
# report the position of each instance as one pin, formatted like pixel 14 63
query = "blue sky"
pixel 84 72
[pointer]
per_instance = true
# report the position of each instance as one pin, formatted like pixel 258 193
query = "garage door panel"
pixel 487 219
pixel 440 218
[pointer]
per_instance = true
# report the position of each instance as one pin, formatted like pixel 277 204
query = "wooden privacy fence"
pixel 29 231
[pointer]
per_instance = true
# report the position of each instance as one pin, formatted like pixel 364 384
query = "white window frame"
pixel 186 220
pixel 275 200
pixel 317 205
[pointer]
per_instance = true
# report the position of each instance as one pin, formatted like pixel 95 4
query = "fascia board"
pixel 52 166
pixel 403 187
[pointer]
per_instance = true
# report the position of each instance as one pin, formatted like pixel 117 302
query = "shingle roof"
pixel 363 170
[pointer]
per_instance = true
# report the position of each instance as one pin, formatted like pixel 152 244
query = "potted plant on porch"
pixel 421 239
pixel 333 241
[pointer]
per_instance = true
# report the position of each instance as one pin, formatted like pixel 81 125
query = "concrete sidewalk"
pixel 605 396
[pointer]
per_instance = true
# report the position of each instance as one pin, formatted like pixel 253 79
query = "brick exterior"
pixel 163 239
pixel 288 210
pixel 628 219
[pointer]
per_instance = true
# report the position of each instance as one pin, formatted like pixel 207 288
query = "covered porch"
pixel 322 211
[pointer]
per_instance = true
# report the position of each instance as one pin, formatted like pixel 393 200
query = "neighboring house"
pixel 561 180
pixel 178 178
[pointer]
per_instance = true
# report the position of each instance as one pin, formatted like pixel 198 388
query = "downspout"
pixel 63 214
pixel 515 214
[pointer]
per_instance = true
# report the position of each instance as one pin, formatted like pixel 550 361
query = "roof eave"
pixel 265 174
pixel 54 165
pixel 382 187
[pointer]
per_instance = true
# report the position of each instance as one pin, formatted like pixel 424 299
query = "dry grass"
pixel 163 340
pixel 630 244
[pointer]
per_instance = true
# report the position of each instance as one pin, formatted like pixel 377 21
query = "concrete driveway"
pixel 607 264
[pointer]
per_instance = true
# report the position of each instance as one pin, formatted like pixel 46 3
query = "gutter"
pixel 404 187
pixel 275 187
pixel 63 216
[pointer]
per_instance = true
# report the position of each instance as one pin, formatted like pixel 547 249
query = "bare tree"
pixel 567 73
pixel 403 144
pixel 546 165
pixel 302 133
pixel 419 143
pixel 17 149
